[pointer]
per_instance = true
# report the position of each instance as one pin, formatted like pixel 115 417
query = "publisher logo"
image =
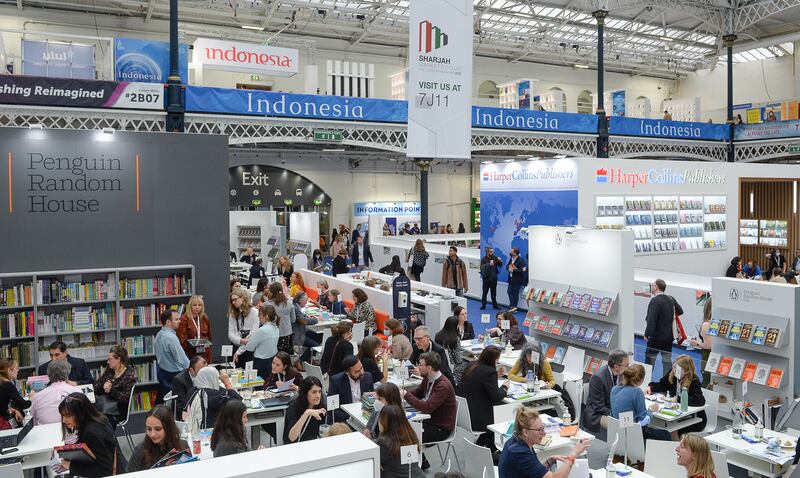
pixel 734 295
pixel 559 240
pixel 601 175
pixel 431 37
pixel 486 176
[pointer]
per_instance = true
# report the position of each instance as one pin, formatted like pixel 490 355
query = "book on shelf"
pixel 144 315
pixel 16 296
pixel 605 306
pixel 176 284
pixel 594 306
pixel 749 371
pixel 145 400
pixel 138 344
pixel 773 336
pixel 759 335
pixel 576 328
pixel 530 293
pixel 586 301
pixel 78 319
pixel 576 301
pixel 17 324
pixel 24 353
pixel 558 327
pixel 774 379
pixel 762 373
pixel 528 319
pixel 713 327
pixel 713 362
pixel 543 321
pixel 559 355
pixel 544 345
pixel 724 328
pixel 567 330
pixel 566 299
pixel 605 340
pixel 550 324
pixel 737 368
pixel 541 295
pixel 587 336
pixel 581 333
pixel 596 336
pixel 553 300
pixel 747 332
pixel 736 331
pixel 725 366
pixel 54 291
pixel 551 351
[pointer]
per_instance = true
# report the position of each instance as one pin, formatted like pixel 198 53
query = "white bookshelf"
pixel 687 109
pixel 397 84
pixel 509 93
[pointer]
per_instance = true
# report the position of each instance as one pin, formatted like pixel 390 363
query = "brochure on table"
pixel 755 339
pixel 580 290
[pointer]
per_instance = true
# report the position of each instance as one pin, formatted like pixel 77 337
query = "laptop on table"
pixel 14 439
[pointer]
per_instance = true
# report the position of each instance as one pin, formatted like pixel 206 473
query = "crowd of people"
pixel 777 268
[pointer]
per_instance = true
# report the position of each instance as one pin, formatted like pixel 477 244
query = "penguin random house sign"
pixel 258 185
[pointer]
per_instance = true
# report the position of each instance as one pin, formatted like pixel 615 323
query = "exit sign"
pixel 328 135
pixel 255 78
pixel 794 148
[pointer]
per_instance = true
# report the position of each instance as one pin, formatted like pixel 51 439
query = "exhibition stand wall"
pixel 258 230
pixel 690 291
pixel 303 233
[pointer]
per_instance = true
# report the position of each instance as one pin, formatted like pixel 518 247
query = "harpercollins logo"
pixel 431 37
pixel 601 175
pixel 486 176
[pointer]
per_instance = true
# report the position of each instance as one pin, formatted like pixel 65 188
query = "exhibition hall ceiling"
pixel 657 37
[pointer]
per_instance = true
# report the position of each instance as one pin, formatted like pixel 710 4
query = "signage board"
pixel 147 61
pixel 265 186
pixel 58 60
pixel 328 135
pixel 31 90
pixel 623 126
pixel 245 57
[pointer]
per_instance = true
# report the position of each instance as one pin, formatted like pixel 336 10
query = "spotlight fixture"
pixel 36 126
pixel 108 130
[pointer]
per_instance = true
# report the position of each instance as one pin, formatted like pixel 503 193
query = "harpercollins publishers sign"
pixel 530 175
pixel 246 57
pixel 657 176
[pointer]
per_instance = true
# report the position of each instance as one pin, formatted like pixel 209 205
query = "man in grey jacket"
pixel 598 405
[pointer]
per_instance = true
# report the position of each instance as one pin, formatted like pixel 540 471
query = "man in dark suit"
pixel 658 332
pixel 517 273
pixel 78 373
pixel 349 385
pixel 362 257
pixel 490 266
pixel 594 417
pixel 423 343
pixel 183 383
pixel 356 234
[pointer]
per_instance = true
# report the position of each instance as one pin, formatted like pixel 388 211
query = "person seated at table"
pixel 368 353
pixel 479 387
pixel 79 373
pixel 336 306
pixel 542 370
pixel 282 371
pixel 337 429
pixel 695 455
pixel 183 383
pixel 12 404
pixel 628 397
pixel 323 302
pixel 337 347
pixel 396 432
pixel 44 405
pixel 423 344
pixel 448 339
pixel 301 336
pixel 79 416
pixel 362 311
pixel 229 437
pixel 370 283
pixel 691 382
pixel 349 385
pixel 465 329
pixel 208 399
pixel 339 263
pixel 296 284
pixel 261 289
pixel 161 437
pixel 387 394
pixel 285 269
pixel 114 386
pixel 256 271
pixel 436 397
pixel 393 268
pixel 519 460
pixel 752 270
pixel 594 417
pixel 305 413
pixel 512 334
pixel 401 346
pixel 263 341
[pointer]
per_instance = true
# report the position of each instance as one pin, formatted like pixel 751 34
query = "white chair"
pixel 505 412
pixel 720 464
pixel 630 440
pixel 478 461
pixel 648 374
pixel 573 364
pixel 449 442
pixel 124 423
pixel 417 426
pixel 13 470
pixel 575 390
pixel 463 419
pixel 316 371
pixel 359 330
pixel 326 333
pixel 712 400
pixel 558 377
pixel 660 459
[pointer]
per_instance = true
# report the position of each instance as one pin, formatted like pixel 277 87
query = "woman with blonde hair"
pixel 418 257
pixel 195 325
pixel 242 320
pixel 338 245
pixel 695 455
pixel 689 380
pixel 285 268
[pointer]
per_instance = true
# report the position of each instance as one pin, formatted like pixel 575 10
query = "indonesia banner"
pixel 440 79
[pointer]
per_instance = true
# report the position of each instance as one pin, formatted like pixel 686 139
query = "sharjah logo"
pixel 601 175
pixel 431 37
pixel 734 295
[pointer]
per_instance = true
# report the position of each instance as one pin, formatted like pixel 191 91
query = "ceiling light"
pixel 35 126
pixel 487 162
pixel 534 158
pixel 108 130
pixel 560 156
pixel 584 67
pixel 249 27
pixel 666 38
pixel 510 160
pixel 523 155
pixel 338 150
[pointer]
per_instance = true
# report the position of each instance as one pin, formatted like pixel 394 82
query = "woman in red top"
pixel 194 317
pixel 695 456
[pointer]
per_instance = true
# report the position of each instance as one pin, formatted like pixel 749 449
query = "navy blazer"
pixel 340 385
pixel 337 308
pixel 367 254
pixel 78 372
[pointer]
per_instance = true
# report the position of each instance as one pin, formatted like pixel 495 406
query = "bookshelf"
pixel 756 340
pixel 90 310
pixel 590 308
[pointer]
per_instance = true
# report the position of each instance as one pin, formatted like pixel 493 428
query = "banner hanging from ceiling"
pixel 440 79
pixel 31 90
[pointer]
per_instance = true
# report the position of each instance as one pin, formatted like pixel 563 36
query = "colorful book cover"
pixel 587 337
pixel 759 335
pixel 598 334
pixel 749 371
pixel 560 352
pixel 713 328
pixel 773 337
pixel 587 360
pixel 605 306
pixel 737 368
pixel 762 373
pixel 528 319
pixel 558 327
pixel 543 320
pixel 736 331
pixel 573 334
pixel 544 345
pixel 567 330
pixel 553 298
pixel 606 339
pixel 596 363
pixel 551 351
pixel 586 301
pixel 747 332
pixel 594 307
pixel 725 365
pixel 774 379
pixel 541 295
pixel 550 324
pixel 713 362
pixel 576 301
pixel 581 332
pixel 531 294
pixel 724 328
pixel 566 299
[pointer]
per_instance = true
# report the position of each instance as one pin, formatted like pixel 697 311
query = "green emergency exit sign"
pixel 328 135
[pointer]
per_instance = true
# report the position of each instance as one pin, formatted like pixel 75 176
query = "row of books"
pixel 691 218
pixel 760 373
pixel 24 353
pixel 177 284
pixel 144 401
pixel 715 226
pixel 665 232
pixel 54 291
pixel 573 330
pixel 17 324
pixel 592 365
pixel 743 332
pixel 16 296
pixel 143 315
pixel 572 300
pixel 78 319
pixel 96 350
pixel 139 344
pixel 638 219
pixel 553 352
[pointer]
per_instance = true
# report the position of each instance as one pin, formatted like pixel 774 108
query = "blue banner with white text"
pixel 768 130
pixel 147 61
pixel 622 126
pixel 504 118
